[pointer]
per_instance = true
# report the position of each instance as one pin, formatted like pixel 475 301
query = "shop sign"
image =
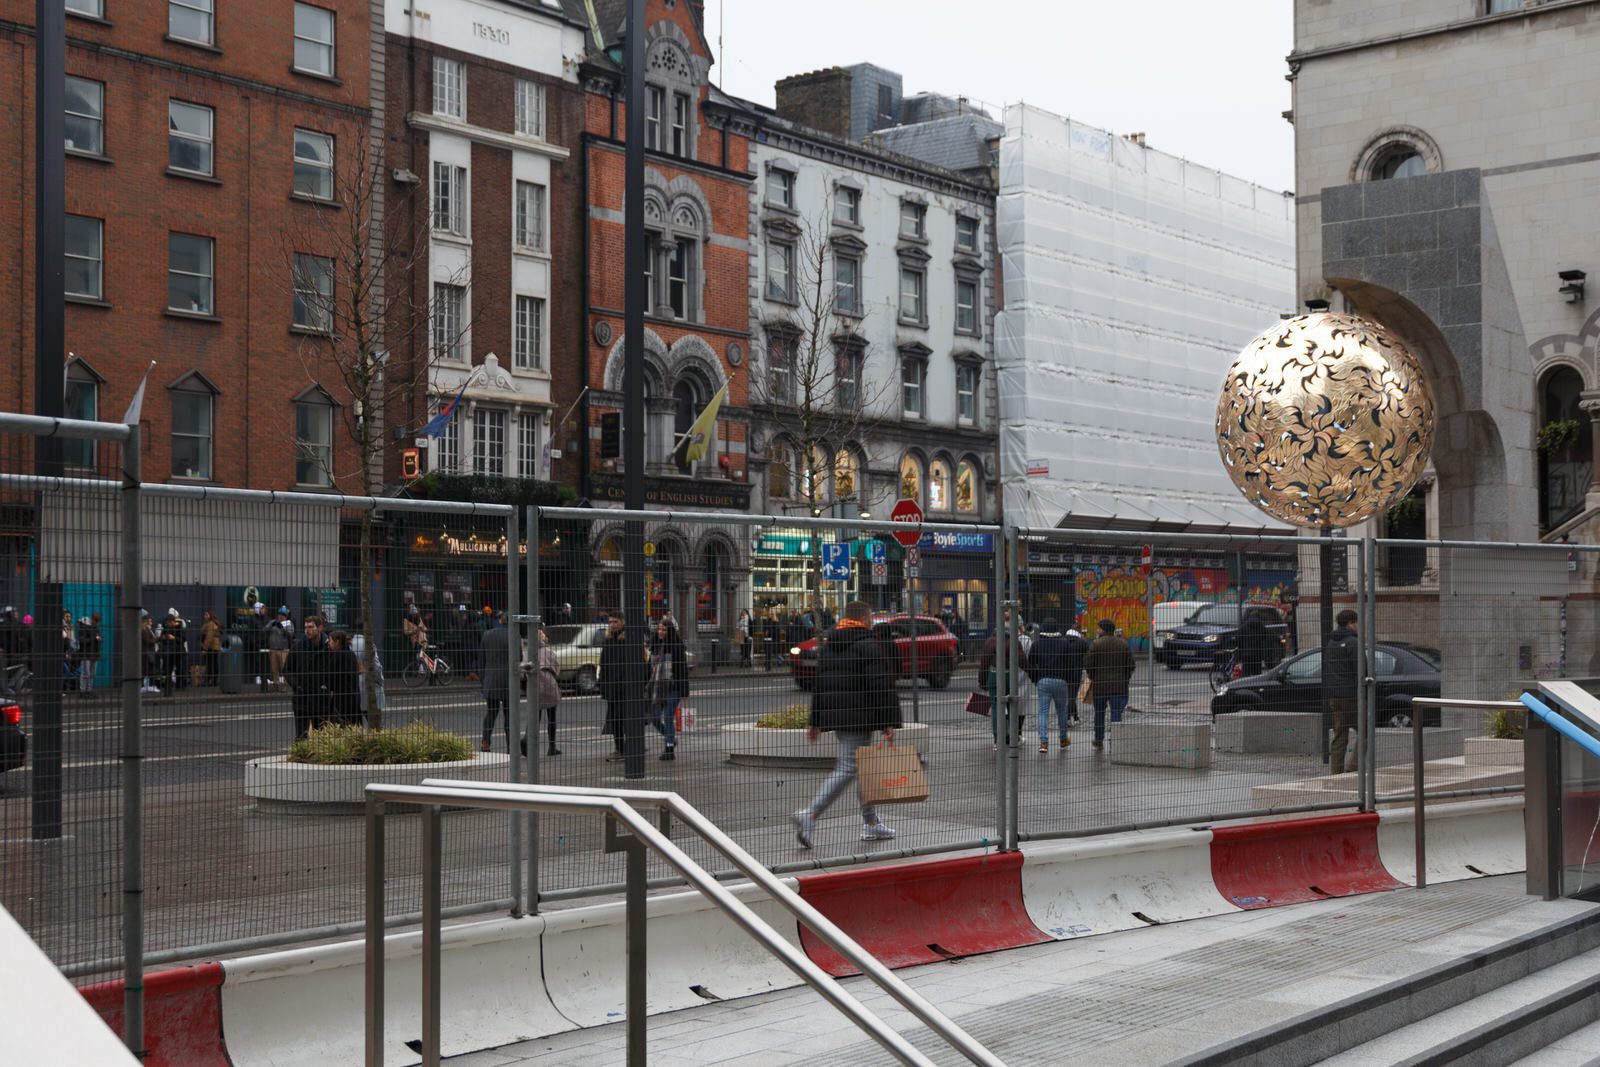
pixel 470 545
pixel 783 545
pixel 933 541
pixel 693 493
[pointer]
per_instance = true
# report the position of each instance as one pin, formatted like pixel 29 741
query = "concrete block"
pixel 1267 731
pixel 1158 744
pixel 1493 752
pixel 1394 747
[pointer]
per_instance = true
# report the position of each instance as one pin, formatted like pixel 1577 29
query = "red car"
pixel 937 652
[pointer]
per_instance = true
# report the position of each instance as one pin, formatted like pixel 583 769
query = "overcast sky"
pixel 1203 81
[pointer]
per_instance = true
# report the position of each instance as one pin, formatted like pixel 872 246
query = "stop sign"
pixel 909 512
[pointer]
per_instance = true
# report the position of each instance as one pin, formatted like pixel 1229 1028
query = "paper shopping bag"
pixel 1085 690
pixel 890 774
pixel 683 718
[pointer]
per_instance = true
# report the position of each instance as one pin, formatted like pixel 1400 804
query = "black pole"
pixel 1325 628
pixel 49 355
pixel 633 417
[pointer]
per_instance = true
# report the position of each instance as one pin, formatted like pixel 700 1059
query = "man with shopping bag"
pixel 853 698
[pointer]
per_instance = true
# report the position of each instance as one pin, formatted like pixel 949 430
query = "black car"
pixel 1403 671
pixel 13 743
pixel 1211 635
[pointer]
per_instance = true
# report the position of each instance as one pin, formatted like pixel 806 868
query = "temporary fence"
pixel 1223 715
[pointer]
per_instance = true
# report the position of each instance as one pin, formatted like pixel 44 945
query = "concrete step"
pixel 1569 1000
pixel 1497 1027
pixel 1581 1048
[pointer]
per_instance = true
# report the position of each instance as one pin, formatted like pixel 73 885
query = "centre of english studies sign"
pixel 692 493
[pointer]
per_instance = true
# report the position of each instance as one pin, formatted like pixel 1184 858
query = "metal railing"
pixel 1418 784
pixel 434 795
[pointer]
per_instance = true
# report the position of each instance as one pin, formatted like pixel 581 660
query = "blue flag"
pixel 436 426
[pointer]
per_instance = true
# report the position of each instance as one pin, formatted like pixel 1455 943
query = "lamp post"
pixel 634 296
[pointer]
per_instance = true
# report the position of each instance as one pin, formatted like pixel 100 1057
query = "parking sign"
pixel 836 562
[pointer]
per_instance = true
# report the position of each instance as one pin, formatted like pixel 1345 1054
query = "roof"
pixel 956 142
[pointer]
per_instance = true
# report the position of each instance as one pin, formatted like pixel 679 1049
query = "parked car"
pixel 13 742
pixel 935 649
pixel 1404 671
pixel 1168 616
pixel 1211 635
pixel 577 649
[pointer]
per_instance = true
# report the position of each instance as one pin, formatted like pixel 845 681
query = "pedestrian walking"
pixel 549 690
pixel 495 678
pixel 174 649
pixel 1254 644
pixel 669 682
pixel 989 679
pixel 279 638
pixel 1055 665
pixel 743 636
pixel 415 630
pixel 88 652
pixel 853 698
pixel 1341 675
pixel 306 670
pixel 210 646
pixel 622 684
pixel 343 675
pixel 368 678
pixel 1110 666
pixel 147 652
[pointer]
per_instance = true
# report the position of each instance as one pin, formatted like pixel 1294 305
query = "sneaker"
pixel 484 744
pixel 667 755
pixel 1065 741
pixel 614 757
pixel 1099 744
pixel 1044 746
pixel 804 826
pixel 877 832
pixel 552 751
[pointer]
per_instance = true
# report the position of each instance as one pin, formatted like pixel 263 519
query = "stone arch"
pixel 1580 350
pixel 1390 139
pixel 692 351
pixel 655 357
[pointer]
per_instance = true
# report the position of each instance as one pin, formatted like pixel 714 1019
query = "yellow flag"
pixel 693 445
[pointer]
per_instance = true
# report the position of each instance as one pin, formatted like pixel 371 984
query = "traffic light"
pixel 410 463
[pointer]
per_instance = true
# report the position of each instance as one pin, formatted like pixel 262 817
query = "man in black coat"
pixel 622 683
pixel 1254 644
pixel 307 671
pixel 1341 673
pixel 853 698
pixel 1055 666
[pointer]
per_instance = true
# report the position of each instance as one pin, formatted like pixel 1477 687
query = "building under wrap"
pixel 1132 278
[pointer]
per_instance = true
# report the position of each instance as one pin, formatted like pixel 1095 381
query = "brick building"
pixel 203 146
pixel 697 322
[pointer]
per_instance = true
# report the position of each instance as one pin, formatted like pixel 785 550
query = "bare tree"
pixel 352 268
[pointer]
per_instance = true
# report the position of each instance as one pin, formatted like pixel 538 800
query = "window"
pixel 189 273
pixel 682 117
pixel 966 305
pixel 448 301
pixel 1307 668
pixel 85 257
pixel 847 205
pixel 489 442
pixel 530 108
pixel 528 445
pixel 528 340
pixel 189 137
pixel 846 284
pixel 845 469
pixel 778 474
pixel 449 441
pixel 780 187
pixel 885 105
pixel 190 20
pixel 530 216
pixel 86 116
pixel 449 88
pixel 313 164
pixel 910 478
pixel 687 402
pixel 966 486
pixel 1495 7
pixel 95 9
pixel 191 432
pixel 966 234
pixel 449 199
pixel 912 281
pixel 313 40
pixel 313 432
pixel 1400 163
pixel 913 371
pixel 81 401
pixel 913 220
pixel 847 378
pixel 654 114
pixel 780 367
pixel 780 270
pixel 679 264
pixel 939 486
pixel 967 393
pixel 313 292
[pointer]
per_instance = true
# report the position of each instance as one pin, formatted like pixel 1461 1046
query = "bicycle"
pixel 1229 670
pixel 432 669
pixel 16 680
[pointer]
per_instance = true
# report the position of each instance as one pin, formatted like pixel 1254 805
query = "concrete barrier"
pixel 1268 731
pixel 1262 865
pixel 182 1015
pixel 305 1006
pixel 1466 840
pixel 1078 888
pixel 695 953
pixel 1161 744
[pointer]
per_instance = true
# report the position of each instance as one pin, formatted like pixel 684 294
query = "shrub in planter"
pixel 1509 724
pixel 793 717
pixel 344 745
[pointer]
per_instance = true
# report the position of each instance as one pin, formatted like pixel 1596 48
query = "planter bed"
pixel 276 785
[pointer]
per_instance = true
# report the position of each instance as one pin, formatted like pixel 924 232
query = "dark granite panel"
pixel 1342 268
pixel 1427 301
pixel 1469 265
pixel 1381 199
pixel 1460 227
pixel 1387 271
pixel 1341 203
pixel 1412 233
pixel 1461 305
pixel 1430 270
pixel 1469 187
pixel 1430 192
pixel 1466 344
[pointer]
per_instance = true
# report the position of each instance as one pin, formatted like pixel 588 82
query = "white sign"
pixel 1038 468
pixel 913 562
pixel 880 573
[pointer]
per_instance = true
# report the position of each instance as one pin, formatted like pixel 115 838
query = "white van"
pixel 1169 615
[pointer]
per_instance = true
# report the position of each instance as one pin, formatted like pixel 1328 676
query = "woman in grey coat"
pixel 495 678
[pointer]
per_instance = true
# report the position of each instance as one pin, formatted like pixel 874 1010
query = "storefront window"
pixel 939 486
pixel 708 600
pixel 844 474
pixel 966 487
pixel 910 479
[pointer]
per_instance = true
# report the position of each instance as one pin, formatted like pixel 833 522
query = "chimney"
pixel 1136 138
pixel 820 100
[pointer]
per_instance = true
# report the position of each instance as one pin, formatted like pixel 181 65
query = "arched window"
pixel 686 404
pixel 939 486
pixel 708 599
pixel 846 468
pixel 1399 163
pixel 911 478
pixel 814 477
pixel 1397 152
pixel 1565 448
pixel 780 472
pixel 966 486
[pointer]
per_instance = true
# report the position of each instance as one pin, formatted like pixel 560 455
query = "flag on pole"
pixel 436 426
pixel 693 445
pixel 136 405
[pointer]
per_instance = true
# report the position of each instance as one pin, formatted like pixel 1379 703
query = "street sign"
pixel 1146 558
pixel 880 573
pixel 836 562
pixel 909 512
pixel 877 553
pixel 649 548
pixel 913 562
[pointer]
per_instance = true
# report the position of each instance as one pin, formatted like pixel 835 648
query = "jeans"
pixel 86 675
pixel 1059 692
pixel 663 716
pixel 844 772
pixel 1116 702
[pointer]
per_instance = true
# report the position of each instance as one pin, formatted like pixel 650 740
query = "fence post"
pixel 1013 741
pixel 536 619
pixel 997 720
pixel 1363 669
pixel 129 656
pixel 1369 627
pixel 514 716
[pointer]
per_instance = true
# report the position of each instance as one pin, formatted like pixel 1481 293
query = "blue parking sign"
pixel 836 562
pixel 877 552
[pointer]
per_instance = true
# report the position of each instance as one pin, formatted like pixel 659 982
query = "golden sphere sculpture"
pixel 1325 420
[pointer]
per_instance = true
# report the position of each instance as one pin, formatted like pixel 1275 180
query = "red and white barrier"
pixel 1290 861
pixel 1120 882
pixel 1467 840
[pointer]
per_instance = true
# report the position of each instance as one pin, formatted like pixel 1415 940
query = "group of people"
pixel 169 662
pixel 1060 665
pixel 80 648
pixel 661 675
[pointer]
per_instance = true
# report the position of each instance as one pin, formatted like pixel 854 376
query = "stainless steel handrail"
pixel 433 798
pixel 1418 792
pixel 752 868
